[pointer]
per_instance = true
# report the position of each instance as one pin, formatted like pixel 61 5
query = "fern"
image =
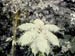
pixel 38 36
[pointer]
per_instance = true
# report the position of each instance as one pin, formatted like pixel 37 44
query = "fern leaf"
pixel 52 27
pixel 52 38
pixel 27 38
pixel 26 26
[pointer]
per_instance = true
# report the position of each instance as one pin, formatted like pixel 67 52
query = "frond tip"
pixel 52 27
pixel 26 26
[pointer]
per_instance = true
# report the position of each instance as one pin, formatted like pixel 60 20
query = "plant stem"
pixel 15 20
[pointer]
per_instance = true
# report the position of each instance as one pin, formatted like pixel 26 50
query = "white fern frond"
pixel 52 27
pixel 52 38
pixel 34 48
pixel 26 26
pixel 42 44
pixel 27 38
pixel 38 36
pixel 38 22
